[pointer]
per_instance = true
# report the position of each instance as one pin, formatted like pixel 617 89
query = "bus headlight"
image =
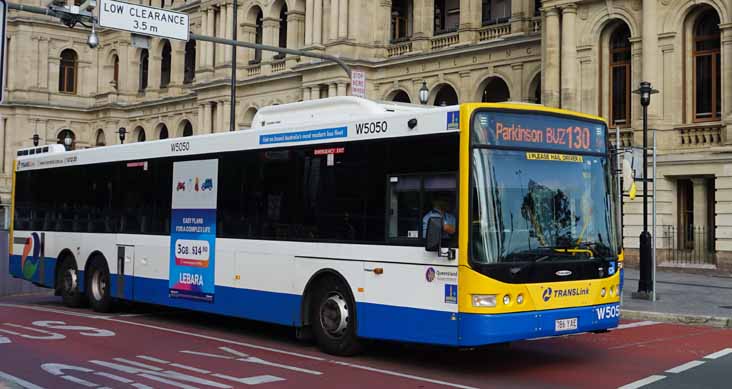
pixel 484 300
pixel 520 299
pixel 602 292
pixel 506 299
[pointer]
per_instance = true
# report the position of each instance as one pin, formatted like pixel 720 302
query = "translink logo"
pixel 548 293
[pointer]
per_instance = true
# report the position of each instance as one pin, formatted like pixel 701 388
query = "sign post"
pixel 3 23
pixel 144 20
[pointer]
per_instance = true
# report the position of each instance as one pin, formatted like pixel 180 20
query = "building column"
pixel 333 20
pixel 517 94
pixel 210 51
pixel 207 119
pixel 294 30
pixel 221 52
pixel 318 23
pixel 342 19
pixel 177 66
pixel 470 20
pixel 315 92
pixel 332 89
pixel 305 94
pixel 43 44
pixel 202 47
pixel 550 83
pixel 270 36
pixel 342 88
pixel 229 31
pixel 650 52
pixel 226 117
pixel 201 120
pixel 309 22
pixel 700 206
pixel 569 58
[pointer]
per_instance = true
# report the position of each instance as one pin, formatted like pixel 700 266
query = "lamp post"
pixel 122 134
pixel 68 141
pixel 36 139
pixel 645 284
pixel 424 93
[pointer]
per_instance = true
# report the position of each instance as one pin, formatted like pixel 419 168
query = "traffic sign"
pixel 144 20
pixel 3 28
pixel 358 83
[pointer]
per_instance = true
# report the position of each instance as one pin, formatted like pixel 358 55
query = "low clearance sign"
pixel 144 20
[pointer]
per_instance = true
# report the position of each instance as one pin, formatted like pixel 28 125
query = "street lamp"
pixel 36 138
pixel 122 134
pixel 68 141
pixel 424 93
pixel 93 39
pixel 645 283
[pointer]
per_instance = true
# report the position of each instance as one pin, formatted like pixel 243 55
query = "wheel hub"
pixel 334 315
pixel 98 285
pixel 70 280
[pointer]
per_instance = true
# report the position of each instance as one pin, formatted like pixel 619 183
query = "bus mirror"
pixel 434 234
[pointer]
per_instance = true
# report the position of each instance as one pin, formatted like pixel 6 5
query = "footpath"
pixel 682 298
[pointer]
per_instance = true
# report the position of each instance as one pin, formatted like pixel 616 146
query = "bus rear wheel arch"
pixel 330 310
pixel 67 281
pixel 97 284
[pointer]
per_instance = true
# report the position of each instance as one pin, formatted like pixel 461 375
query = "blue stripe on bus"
pixel 476 329
pixel 391 322
pixel 47 278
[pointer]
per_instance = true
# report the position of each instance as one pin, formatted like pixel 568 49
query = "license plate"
pixel 565 324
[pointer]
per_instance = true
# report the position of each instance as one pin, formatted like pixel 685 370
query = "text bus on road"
pixel 462 226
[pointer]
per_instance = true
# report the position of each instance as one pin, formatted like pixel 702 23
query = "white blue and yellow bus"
pixel 346 218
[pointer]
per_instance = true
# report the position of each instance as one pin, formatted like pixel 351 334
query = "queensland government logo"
pixel 30 259
pixel 430 274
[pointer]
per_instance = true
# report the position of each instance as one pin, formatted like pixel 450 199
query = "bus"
pixel 346 218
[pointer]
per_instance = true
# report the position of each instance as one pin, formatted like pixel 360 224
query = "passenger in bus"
pixel 439 209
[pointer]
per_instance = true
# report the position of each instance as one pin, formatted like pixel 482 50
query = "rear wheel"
pixel 97 287
pixel 333 318
pixel 68 284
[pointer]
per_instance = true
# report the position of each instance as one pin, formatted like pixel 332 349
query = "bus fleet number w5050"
pixel 371 128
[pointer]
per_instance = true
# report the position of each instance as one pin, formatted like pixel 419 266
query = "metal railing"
pixel 685 246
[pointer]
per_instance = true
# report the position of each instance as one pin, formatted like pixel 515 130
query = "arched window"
pixel 495 91
pixel 67 138
pixel 163 132
pixel 144 62
pixel 165 65
pixel 101 140
pixel 248 118
pixel 446 95
pixel 401 20
pixel 115 72
pixel 189 71
pixel 68 72
pixel 401 97
pixel 620 76
pixel 707 77
pixel 535 90
pixel 187 129
pixel 140 134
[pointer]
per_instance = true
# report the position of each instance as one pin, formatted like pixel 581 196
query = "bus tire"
pixel 68 284
pixel 97 287
pixel 333 318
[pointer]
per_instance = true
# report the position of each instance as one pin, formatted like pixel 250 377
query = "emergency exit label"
pixel 144 20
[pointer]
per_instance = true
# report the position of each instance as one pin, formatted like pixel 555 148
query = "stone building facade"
pixel 582 55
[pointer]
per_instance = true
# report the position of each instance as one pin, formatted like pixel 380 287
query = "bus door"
pixel 413 292
pixel 122 283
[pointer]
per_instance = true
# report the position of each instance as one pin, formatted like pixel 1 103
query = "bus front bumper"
pixel 477 330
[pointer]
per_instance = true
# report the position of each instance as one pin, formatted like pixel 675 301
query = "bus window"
pixel 413 199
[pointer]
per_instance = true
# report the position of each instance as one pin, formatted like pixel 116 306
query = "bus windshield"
pixel 531 206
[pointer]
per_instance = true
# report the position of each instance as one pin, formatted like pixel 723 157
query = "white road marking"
pixel 138 364
pixel 18 381
pixel 719 354
pixel 114 377
pixel 636 324
pixel 206 354
pixel 191 368
pixel 169 382
pixel 48 336
pixel 247 358
pixel 4 340
pixel 397 374
pixel 141 386
pixel 686 366
pixel 646 381
pixel 261 379
pixel 79 381
pixel 153 359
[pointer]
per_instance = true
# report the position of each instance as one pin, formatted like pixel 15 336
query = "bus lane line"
pixel 18 381
pixel 402 375
pixel 719 354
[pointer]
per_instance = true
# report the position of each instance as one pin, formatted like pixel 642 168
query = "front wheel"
pixel 97 288
pixel 68 285
pixel 333 318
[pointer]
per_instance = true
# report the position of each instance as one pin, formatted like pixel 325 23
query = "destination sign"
pixel 144 20
pixel 539 131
